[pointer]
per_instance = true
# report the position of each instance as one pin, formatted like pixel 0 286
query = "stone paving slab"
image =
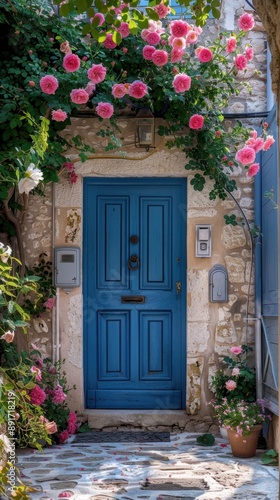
pixel 175 470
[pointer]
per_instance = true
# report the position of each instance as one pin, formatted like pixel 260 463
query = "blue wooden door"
pixel 134 293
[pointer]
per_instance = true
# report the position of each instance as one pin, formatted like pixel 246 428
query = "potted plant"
pixel 243 421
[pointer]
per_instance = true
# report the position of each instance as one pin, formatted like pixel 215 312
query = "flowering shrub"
pixel 240 416
pixel 237 382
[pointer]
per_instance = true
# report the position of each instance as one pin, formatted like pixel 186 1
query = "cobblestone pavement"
pixel 179 470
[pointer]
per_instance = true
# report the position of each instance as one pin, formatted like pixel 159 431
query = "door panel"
pixel 134 321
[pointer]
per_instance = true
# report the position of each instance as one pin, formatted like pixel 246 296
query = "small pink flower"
pixel 253 170
pixel 72 417
pixel 31 83
pixel 58 395
pixel 63 436
pixel 73 178
pixel 182 82
pixel 119 90
pixel 246 22
pixel 84 58
pixel 8 336
pixel 179 28
pixel 196 122
pixel 37 371
pixel 48 84
pixel 51 300
pixel 37 396
pixel 176 55
pixel 153 38
pixel 160 57
pixel 231 45
pixel 71 63
pixel 256 144
pixel 249 53
pixel 100 18
pixel 235 371
pixel 147 52
pixel 124 49
pixel 236 349
pixel 104 109
pixel 218 133
pixel 69 165
pixel 230 385
pixel 51 40
pixel 59 115
pixel 71 428
pixel 97 73
pixel 245 155
pixel 205 55
pixel 178 43
pixel 268 142
pixel 240 62
pixel 162 10
pixel 123 30
pixel 109 43
pixel 137 89
pixel 65 494
pixel 30 52
pixel 79 96
pixel 254 134
pixel 90 88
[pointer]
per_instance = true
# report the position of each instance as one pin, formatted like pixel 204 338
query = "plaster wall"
pixel 211 327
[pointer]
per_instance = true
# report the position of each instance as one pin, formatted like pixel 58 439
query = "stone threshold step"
pixel 100 419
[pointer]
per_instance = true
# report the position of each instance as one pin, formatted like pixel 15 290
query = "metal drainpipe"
pixel 258 343
pixel 55 311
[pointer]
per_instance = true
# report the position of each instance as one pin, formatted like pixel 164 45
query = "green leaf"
pixel 116 37
pixel 81 6
pixel 206 440
pixel 152 14
pixel 216 13
pixel 87 27
pixel 64 9
pixel 84 428
pixel 100 7
pixel 11 306
pixel 270 457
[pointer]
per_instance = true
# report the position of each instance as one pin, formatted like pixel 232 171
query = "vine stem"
pixel 251 264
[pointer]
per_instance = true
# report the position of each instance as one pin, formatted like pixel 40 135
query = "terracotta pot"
pixel 244 446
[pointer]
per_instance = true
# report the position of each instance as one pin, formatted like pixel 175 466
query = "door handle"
pixel 178 287
pixel 133 259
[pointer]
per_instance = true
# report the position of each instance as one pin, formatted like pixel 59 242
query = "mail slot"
pixel 133 299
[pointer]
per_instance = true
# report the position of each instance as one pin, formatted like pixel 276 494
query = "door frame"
pixel 182 181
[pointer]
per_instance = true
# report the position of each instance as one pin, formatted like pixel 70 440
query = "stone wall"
pixel 211 327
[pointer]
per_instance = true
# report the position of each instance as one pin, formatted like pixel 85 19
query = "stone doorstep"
pixel 101 419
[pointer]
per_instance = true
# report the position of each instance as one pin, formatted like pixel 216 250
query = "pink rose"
pixel 152 38
pixel 119 90
pixel 137 89
pixel 230 385
pixel 59 115
pixel 196 122
pixel 256 144
pixel 58 395
pixel 178 43
pixel 51 427
pixel 254 134
pixel 90 88
pixel 65 47
pixel 162 10
pixel 71 63
pixel 104 109
pixel 48 84
pixel 79 96
pixel 253 170
pixel 240 62
pixel 246 22
pixel 37 396
pixel 73 178
pixel 72 417
pixel 100 17
pixel 109 43
pixel 192 37
pixel 235 371
pixel 246 155
pixel 147 52
pixel 179 28
pixel 268 142
pixel 97 73
pixel 249 53
pixel 182 82
pixel 123 30
pixel 8 336
pixel 31 83
pixel 204 55
pixel 236 349
pixel 160 57
pixel 176 55
pixel 231 45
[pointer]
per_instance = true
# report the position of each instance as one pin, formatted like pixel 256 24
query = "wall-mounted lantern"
pixel 145 129
pixel 218 284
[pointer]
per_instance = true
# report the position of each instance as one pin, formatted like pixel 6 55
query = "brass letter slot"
pixel 133 299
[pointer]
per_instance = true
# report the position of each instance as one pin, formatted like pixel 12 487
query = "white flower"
pixel 31 179
pixel 6 443
pixel 5 252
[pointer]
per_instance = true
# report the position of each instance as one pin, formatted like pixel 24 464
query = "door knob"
pixel 178 287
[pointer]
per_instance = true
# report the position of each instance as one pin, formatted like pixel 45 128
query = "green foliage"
pixel 206 440
pixel 237 370
pixel 241 416
pixel 270 457
pixel 43 271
